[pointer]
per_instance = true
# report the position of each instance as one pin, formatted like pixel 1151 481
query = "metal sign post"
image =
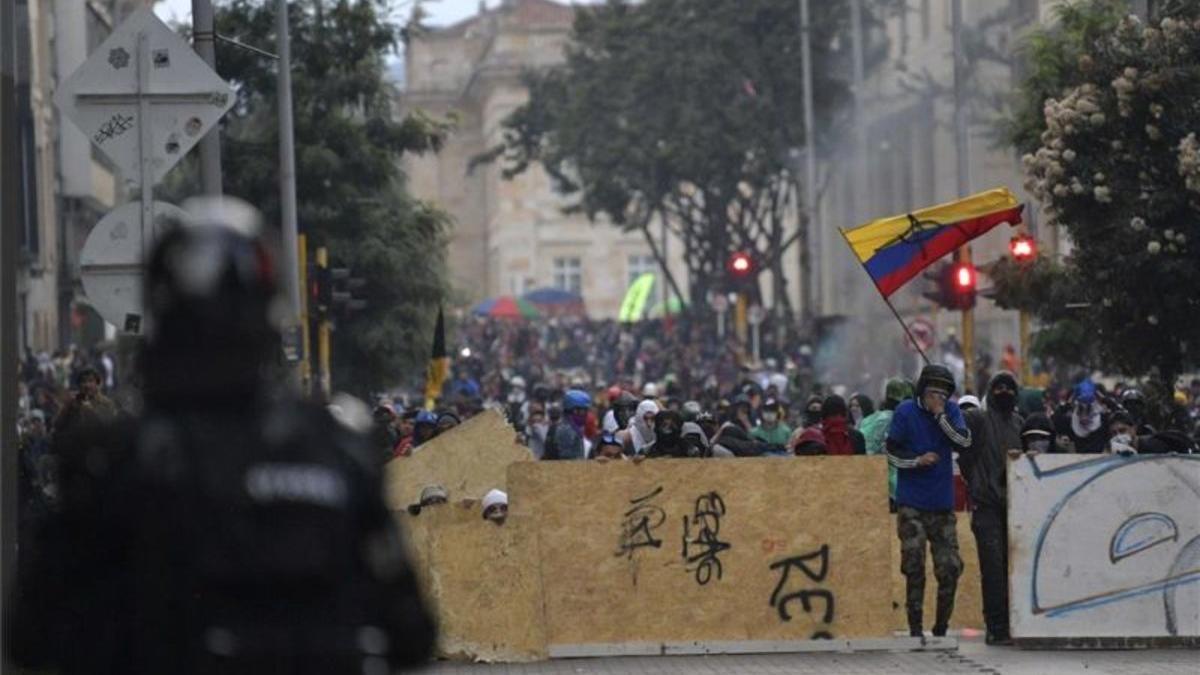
pixel 755 316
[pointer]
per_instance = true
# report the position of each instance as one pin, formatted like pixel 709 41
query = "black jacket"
pixel 217 541
pixel 985 462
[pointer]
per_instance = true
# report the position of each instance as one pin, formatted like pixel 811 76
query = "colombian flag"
pixel 439 363
pixel 896 249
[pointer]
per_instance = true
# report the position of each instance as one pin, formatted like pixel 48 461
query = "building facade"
pixel 510 236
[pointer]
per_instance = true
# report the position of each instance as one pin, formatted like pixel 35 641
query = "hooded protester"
pixel 668 436
pixel 695 439
pixel 536 428
pixel 517 404
pixel 1134 404
pixel 608 447
pixel 732 438
pixel 921 440
pixel 874 427
pixel 565 440
pixel 861 406
pixel 812 411
pixel 840 437
pixel 641 428
pixel 1124 439
pixel 1084 424
pixel 995 432
pixel 808 442
pixel 1037 435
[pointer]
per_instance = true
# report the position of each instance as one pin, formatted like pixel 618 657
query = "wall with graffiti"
pixel 1105 546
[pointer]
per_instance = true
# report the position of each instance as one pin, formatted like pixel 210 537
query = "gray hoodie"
pixel 993 434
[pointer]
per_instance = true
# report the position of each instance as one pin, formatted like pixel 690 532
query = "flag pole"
pixel 887 301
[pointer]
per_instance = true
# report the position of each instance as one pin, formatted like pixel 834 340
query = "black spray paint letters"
pixel 785 593
pixel 701 538
pixel 640 521
pixel 114 127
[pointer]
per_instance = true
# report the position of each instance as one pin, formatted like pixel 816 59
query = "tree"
pixel 351 193
pixel 688 111
pixel 1108 119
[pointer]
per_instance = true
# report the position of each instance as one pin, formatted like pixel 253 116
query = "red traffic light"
pixel 740 264
pixel 964 276
pixel 1023 248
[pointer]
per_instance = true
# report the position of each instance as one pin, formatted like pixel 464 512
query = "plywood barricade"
pixel 1105 547
pixel 697 550
pixel 482 580
pixel 468 460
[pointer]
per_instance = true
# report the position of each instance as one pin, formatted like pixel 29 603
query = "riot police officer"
pixel 230 528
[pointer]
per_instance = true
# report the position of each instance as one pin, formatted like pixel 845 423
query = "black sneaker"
pixel 939 631
pixel 916 632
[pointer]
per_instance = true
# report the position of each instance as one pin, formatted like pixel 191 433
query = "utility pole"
pixel 963 180
pixel 9 358
pixel 287 177
pixel 810 218
pixel 203 41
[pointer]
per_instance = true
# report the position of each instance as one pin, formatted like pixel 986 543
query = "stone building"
pixel 510 236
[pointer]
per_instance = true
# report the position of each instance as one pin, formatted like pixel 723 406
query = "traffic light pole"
pixel 323 373
pixel 305 328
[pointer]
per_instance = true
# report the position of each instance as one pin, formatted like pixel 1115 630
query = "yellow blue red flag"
pixel 896 249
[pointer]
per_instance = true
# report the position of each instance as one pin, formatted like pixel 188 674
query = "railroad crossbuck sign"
pixel 144 98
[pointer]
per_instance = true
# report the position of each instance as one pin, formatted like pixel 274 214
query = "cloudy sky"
pixel 441 12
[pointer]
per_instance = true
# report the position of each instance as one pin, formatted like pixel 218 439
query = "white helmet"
pixel 517 382
pixel 650 390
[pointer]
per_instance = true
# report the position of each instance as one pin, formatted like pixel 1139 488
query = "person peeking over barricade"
pixel 495 506
pixel 431 495
pixel 922 437
pixel 447 421
pixel 608 447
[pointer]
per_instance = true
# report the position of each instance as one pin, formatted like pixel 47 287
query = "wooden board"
pixel 468 460
pixel 675 550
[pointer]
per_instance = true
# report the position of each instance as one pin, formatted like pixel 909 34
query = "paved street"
pixel 972 657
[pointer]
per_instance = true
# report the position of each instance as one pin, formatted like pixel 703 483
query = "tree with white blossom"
pixel 1108 121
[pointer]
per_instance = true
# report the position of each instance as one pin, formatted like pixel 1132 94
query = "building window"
pixel 568 274
pixel 639 265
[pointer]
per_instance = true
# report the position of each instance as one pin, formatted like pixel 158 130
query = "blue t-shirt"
pixel 917 431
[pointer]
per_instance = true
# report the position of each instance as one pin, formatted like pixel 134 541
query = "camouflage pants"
pixel 915 528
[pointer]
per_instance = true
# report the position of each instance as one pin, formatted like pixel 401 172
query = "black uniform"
pixel 220 541
pixel 224 530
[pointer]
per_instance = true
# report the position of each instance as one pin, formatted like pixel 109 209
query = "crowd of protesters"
pixel 603 392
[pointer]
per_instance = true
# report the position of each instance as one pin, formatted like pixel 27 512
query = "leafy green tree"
pixel 688 110
pixel 1108 119
pixel 351 192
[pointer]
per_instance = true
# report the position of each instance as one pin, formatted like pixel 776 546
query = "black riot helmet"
pixel 209 295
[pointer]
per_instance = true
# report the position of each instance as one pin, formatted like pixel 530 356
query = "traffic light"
pixel 343 289
pixel 1023 248
pixel 320 290
pixel 954 285
pixel 960 284
pixel 741 265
